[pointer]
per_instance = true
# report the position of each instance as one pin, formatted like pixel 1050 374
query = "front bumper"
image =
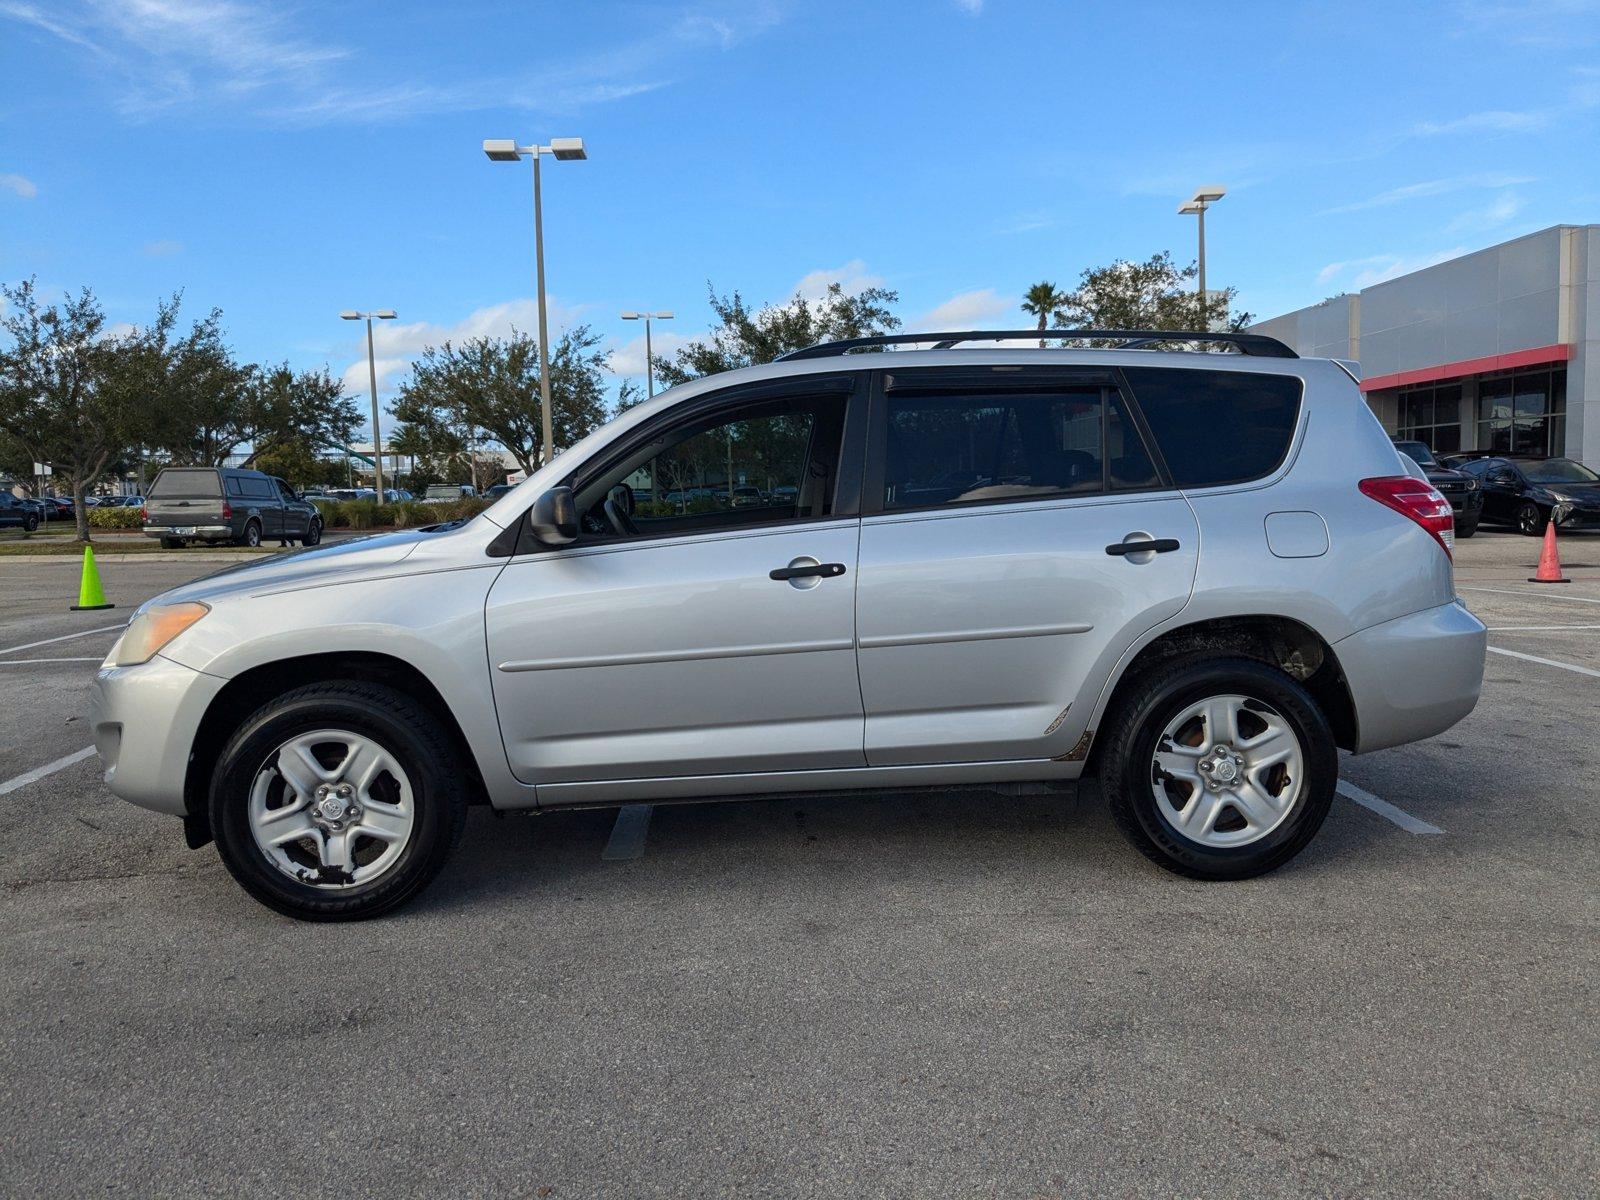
pixel 1414 676
pixel 1579 518
pixel 144 721
pixel 204 533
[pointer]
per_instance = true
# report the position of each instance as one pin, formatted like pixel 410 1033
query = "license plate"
pixel 183 530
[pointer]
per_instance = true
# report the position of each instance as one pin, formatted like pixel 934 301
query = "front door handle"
pixel 809 571
pixel 1143 545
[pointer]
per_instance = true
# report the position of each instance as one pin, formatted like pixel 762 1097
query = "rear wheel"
pixel 1531 519
pixel 1218 768
pixel 337 801
pixel 252 534
pixel 171 543
pixel 30 523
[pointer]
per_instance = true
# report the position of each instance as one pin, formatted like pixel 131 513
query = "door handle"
pixel 1157 545
pixel 813 571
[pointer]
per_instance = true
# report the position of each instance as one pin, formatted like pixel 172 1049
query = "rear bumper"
pixel 1414 676
pixel 144 721
pixel 203 533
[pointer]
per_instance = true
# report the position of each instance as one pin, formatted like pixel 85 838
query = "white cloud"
pixel 964 310
pixel 19 185
pixel 973 8
pixel 1357 273
pixel 853 277
pixel 1027 223
pixel 627 358
pixel 1492 121
pixel 1429 187
pixel 250 55
pixel 163 248
pixel 1497 212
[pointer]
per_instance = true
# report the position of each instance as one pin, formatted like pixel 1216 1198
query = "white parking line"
pixel 1548 662
pixel 66 637
pixel 628 834
pixel 1384 809
pixel 39 773
pixel 1526 592
pixel 21 662
pixel 1535 628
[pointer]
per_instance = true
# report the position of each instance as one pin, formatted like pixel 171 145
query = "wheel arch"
pixel 250 689
pixel 1291 646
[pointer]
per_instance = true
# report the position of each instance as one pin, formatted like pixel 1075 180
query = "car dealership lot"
pixel 899 995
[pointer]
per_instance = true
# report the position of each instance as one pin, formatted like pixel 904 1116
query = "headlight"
pixel 1472 484
pixel 153 629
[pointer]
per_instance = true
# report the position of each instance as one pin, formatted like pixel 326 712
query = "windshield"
pixel 1559 470
pixel 1418 452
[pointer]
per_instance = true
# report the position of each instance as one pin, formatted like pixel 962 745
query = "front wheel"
pixel 30 524
pixel 1218 768
pixel 337 801
pixel 1531 519
pixel 313 535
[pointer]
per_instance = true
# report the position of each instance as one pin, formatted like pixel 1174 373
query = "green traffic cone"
pixel 90 594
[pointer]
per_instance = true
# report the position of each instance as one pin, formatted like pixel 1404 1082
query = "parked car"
pixel 447 493
pixel 16 513
pixel 1524 491
pixel 1463 491
pixel 1196 576
pixel 58 508
pixel 497 490
pixel 227 504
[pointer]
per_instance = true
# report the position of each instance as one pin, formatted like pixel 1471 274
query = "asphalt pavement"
pixel 953 994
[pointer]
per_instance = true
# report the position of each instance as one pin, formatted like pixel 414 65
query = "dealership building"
pixel 1496 350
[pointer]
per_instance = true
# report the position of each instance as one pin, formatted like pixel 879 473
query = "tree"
pixel 1155 294
pixel 1044 300
pixel 203 392
pixel 745 337
pixel 285 408
pixel 492 384
pixel 70 395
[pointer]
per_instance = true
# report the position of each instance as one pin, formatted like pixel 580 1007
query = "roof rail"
pixel 1255 344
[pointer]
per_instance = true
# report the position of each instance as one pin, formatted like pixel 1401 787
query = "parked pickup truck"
pixel 227 504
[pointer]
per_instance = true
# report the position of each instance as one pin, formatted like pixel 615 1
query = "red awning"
pixel 1540 356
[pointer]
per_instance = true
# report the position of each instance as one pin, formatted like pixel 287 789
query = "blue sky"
pixel 285 161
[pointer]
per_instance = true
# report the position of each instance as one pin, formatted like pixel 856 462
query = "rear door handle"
pixel 814 571
pixel 1158 545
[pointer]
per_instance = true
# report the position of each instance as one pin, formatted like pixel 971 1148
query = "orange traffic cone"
pixel 1549 562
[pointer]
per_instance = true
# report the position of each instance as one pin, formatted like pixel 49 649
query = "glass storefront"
pixel 1523 413
pixel 1432 415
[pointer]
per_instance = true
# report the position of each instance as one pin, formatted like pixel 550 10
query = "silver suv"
pixel 1195 575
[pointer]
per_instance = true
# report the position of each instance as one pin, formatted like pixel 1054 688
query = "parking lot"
pixel 956 994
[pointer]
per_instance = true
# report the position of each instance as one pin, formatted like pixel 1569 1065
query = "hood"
pixel 1587 493
pixel 317 565
pixel 1444 473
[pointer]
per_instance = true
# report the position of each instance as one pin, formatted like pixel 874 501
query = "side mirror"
pixel 554 517
pixel 1503 478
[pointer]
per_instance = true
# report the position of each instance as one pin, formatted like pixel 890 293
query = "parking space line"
pixel 20 662
pixel 1548 662
pixel 1384 809
pixel 66 637
pixel 1535 628
pixel 1533 595
pixel 38 773
pixel 629 833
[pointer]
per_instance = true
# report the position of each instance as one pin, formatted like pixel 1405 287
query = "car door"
pixel 296 512
pixel 1502 489
pixel 691 637
pixel 1002 510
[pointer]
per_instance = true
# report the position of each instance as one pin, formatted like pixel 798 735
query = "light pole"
pixel 1202 199
pixel 565 150
pixel 382 314
pixel 649 363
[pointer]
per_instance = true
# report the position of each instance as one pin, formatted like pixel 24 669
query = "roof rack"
pixel 1255 344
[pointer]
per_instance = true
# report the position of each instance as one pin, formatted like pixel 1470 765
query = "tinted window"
pixel 186 483
pixel 256 487
pixel 285 492
pixel 951 444
pixel 1217 427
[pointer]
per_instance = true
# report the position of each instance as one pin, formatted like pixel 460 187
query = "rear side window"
pixel 257 487
pixel 181 483
pixel 951 442
pixel 1217 427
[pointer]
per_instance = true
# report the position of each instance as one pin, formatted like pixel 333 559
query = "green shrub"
pixel 116 518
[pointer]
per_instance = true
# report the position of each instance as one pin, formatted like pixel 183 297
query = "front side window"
pixel 766 462
pixel 946 442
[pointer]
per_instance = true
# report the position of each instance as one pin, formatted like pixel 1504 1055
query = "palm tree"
pixel 1044 301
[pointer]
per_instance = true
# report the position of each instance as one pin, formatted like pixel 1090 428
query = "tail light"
pixel 144 514
pixel 227 511
pixel 1419 500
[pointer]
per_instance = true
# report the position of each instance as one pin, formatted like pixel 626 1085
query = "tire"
pixel 30 523
pixel 251 536
pixel 1131 775
pixel 172 543
pixel 1467 528
pixel 252 772
pixel 313 535
pixel 1531 519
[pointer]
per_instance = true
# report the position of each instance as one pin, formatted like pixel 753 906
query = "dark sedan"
pixel 1525 492
pixel 1461 489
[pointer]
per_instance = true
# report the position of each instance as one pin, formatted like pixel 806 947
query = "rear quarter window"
pixel 184 483
pixel 1218 427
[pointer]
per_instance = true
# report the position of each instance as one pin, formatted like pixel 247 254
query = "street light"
pixel 1202 199
pixel 381 314
pixel 649 365
pixel 564 150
